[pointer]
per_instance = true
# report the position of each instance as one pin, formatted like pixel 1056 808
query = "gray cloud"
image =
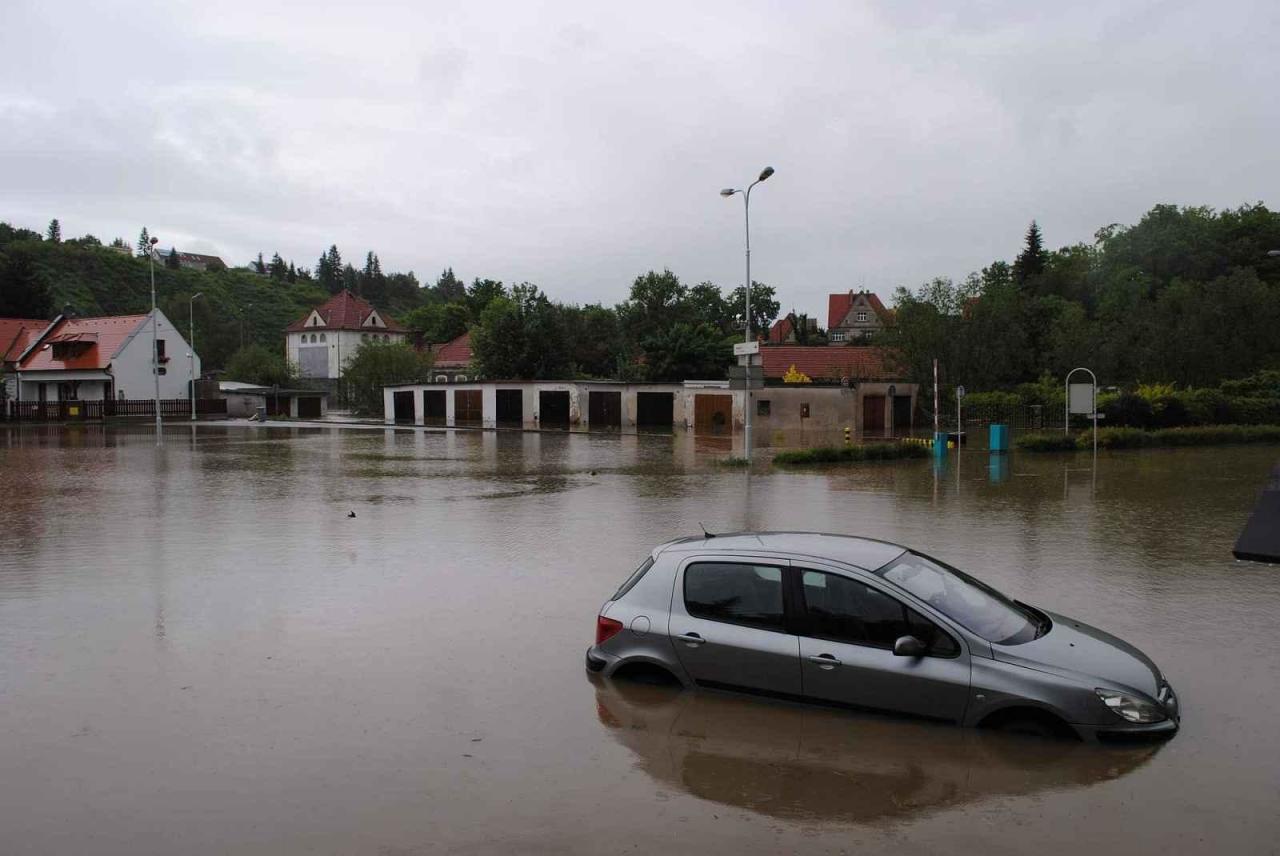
pixel 576 145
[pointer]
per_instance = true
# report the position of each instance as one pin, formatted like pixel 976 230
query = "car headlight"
pixel 1131 707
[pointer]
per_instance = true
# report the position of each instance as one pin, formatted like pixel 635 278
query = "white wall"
pixel 132 366
pixel 341 344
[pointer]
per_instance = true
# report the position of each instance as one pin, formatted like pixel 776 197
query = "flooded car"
pixel 866 624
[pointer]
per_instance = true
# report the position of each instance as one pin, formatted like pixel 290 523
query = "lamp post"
pixel 155 335
pixel 191 353
pixel 746 289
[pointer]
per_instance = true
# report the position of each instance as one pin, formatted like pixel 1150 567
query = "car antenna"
pixel 705 533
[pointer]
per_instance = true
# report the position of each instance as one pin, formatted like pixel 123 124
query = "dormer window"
pixel 862 317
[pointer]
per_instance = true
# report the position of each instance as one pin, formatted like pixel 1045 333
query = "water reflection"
pixel 800 763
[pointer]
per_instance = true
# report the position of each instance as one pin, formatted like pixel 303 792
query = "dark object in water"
pixel 351 514
pixel 1260 539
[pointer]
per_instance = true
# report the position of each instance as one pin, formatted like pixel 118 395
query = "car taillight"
pixel 606 629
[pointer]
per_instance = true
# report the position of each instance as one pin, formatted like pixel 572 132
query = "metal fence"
pixel 76 411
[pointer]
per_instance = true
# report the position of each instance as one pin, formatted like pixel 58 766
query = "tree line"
pixel 1189 296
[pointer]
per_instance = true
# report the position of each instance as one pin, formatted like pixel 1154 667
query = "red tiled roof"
pixel 455 352
pixel 826 362
pixel 104 337
pixel 16 334
pixel 780 330
pixel 345 311
pixel 838 306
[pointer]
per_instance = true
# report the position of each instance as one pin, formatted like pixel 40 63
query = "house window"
pixel 160 355
pixel 862 317
pixel 322 337
pixel 762 407
pixel 837 337
pixel 461 378
pixel 442 378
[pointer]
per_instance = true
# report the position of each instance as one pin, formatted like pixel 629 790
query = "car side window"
pixel 845 610
pixel 735 593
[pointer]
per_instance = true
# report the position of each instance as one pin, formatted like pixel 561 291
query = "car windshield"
pixel 969 602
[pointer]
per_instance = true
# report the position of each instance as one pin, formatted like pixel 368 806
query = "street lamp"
pixel 155 335
pixel 746 336
pixel 191 344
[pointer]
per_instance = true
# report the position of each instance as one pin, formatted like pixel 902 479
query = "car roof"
pixel 868 553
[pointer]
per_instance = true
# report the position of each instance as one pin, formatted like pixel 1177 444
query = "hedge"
pixel 1134 438
pixel 850 454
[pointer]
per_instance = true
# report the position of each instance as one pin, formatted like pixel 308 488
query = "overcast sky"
pixel 576 145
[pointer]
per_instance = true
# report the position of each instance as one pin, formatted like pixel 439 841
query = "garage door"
pixel 468 407
pixel 433 405
pixel 308 407
pixel 713 414
pixel 553 409
pixel 510 406
pixel 604 409
pixel 403 402
pixel 655 409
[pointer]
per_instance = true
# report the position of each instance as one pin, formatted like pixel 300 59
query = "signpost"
pixel 959 422
pixel 1082 398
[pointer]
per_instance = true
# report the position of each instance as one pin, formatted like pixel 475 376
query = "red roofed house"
pixel 90 359
pixel 882 403
pixel 321 342
pixel 783 331
pixel 15 335
pixel 452 362
pixel 854 316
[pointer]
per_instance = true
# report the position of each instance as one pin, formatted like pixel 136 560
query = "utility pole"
pixel 155 336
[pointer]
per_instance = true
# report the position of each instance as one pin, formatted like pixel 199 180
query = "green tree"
pixel 704 303
pixel 521 337
pixel 373 285
pixel 764 308
pixel 23 292
pixel 329 270
pixel 171 260
pixel 291 275
pixel 277 269
pixel 449 288
pixel 144 243
pixel 255 364
pixel 377 364
pixel 683 351
pixel 655 303
pixel 54 233
pixel 1030 263
pixel 481 293
pixel 595 345
pixel 437 323
pixel 260 266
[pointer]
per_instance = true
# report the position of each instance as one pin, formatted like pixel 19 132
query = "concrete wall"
pixel 830 409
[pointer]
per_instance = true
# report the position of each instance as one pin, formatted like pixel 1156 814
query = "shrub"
pixel 1129 409
pixel 849 454
pixel 1133 438
pixel 1264 384
pixel 992 399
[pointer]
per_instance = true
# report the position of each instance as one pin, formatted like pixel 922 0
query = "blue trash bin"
pixel 999 438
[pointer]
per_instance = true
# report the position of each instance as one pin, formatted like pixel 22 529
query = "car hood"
pixel 1075 650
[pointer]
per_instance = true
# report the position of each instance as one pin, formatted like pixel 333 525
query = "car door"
pixel 728 625
pixel 847 626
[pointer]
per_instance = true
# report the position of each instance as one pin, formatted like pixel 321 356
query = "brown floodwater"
pixel 203 654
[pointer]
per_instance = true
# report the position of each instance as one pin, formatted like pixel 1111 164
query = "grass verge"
pixel 850 454
pixel 1136 438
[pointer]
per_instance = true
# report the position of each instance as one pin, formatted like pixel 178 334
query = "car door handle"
pixel 691 639
pixel 826 661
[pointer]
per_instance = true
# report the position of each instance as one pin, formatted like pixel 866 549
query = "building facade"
pixel 321 342
pixel 15 335
pixel 91 359
pixel 854 317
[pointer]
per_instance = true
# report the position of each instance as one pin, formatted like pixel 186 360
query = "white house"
pixel 321 342
pixel 89 359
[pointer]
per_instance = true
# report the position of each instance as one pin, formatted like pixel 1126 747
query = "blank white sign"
pixel 1080 398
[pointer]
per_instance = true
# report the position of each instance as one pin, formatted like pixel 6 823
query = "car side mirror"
pixel 909 646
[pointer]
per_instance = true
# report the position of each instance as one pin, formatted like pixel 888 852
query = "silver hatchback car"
pixel 866 624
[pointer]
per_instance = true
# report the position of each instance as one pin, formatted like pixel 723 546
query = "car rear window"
pixel 634 578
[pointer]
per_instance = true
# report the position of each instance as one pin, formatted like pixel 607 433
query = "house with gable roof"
pixel 91 359
pixel 321 342
pixel 855 316
pixel 16 334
